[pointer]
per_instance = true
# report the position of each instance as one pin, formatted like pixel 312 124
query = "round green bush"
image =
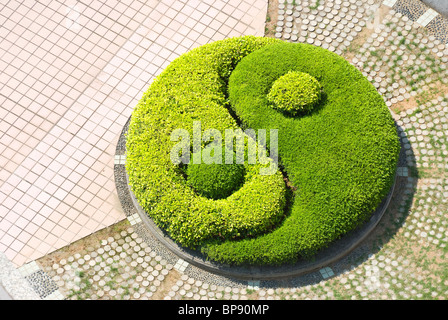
pixel 215 181
pixel 340 159
pixel 295 92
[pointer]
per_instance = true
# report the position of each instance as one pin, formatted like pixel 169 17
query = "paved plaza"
pixel 71 73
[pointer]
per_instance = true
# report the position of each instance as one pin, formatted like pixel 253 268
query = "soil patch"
pixel 271 18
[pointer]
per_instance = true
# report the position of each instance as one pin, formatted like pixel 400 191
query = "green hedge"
pixel 215 181
pixel 340 158
pixel 295 93
pixel 193 88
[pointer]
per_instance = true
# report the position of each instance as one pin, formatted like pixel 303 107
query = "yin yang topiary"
pixel 295 93
pixel 339 160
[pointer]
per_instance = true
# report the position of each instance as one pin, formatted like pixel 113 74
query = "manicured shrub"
pixel 215 181
pixel 340 158
pixel 295 92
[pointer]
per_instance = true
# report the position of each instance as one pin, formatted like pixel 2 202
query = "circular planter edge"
pixel 334 252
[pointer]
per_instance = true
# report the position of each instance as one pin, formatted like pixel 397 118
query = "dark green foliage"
pixel 340 157
pixel 295 93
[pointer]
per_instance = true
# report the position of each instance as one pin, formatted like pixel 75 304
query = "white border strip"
pixel 427 17
pixel 28 268
pixel 326 272
pixel 181 265
pixel 134 219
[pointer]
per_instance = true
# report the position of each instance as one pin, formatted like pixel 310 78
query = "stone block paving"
pixel 404 258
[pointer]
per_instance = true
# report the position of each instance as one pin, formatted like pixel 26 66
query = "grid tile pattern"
pixel 48 64
pixel 120 159
pixel 253 284
pixel 29 268
pixel 71 73
pixel 402 171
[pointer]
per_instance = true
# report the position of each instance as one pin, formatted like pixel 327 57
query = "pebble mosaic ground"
pixel 405 258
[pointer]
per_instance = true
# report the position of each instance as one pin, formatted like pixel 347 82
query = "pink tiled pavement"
pixel 70 74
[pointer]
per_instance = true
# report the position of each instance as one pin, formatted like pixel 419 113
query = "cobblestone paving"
pixel 406 256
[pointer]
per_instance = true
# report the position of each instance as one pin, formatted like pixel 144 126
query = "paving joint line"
pixel 89 85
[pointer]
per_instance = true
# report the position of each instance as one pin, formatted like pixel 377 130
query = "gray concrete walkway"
pixel 13 285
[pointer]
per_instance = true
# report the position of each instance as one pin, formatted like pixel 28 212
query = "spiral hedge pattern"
pixel 339 160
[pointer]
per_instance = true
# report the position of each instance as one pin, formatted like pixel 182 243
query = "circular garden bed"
pixel 337 151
